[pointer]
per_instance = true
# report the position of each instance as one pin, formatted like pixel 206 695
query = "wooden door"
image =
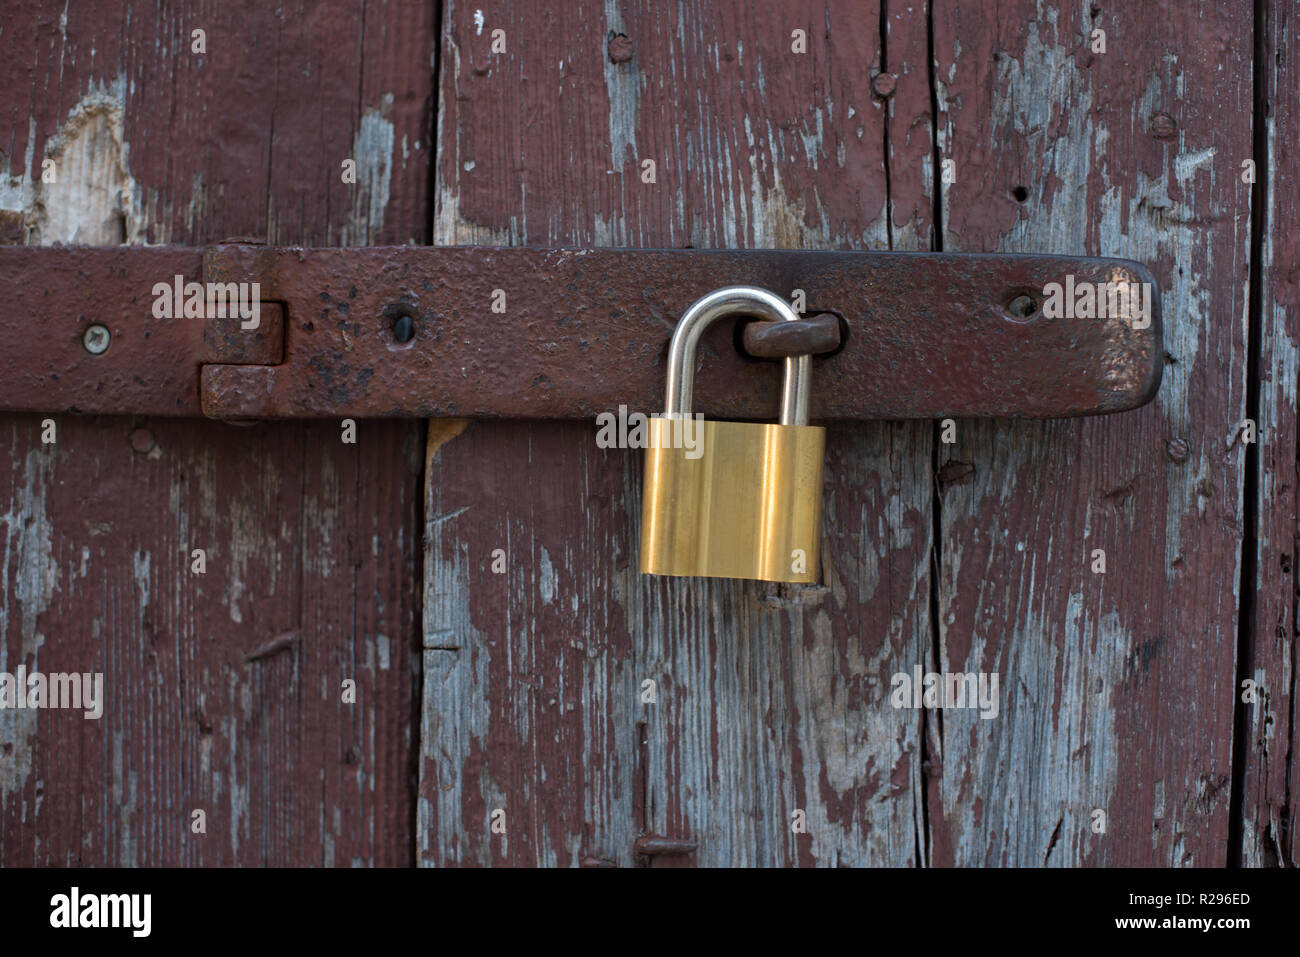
pixel 504 673
pixel 1115 743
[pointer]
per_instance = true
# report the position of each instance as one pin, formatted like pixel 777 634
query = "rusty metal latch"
pixel 566 333
pixel 654 845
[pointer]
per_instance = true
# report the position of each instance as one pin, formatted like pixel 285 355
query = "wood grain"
pixel 1120 690
pixel 1269 781
pixel 766 701
pixel 223 691
pixel 1118 686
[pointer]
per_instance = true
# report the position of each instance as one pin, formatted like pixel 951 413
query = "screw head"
pixel 1177 450
pixel 882 84
pixel 95 339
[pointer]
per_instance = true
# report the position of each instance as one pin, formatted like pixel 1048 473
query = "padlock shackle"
pixel 734 301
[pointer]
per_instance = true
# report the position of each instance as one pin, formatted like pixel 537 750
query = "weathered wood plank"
pixel 765 701
pixel 524 686
pixel 1268 836
pixel 223 691
pixel 1118 686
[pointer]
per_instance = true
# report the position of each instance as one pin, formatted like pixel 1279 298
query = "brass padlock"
pixel 734 499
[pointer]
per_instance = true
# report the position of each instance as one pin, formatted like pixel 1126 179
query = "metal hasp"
pixel 732 499
pixel 556 333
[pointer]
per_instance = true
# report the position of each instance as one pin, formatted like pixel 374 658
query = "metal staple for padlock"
pixel 815 334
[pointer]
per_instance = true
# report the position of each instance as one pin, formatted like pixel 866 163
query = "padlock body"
pixel 745 503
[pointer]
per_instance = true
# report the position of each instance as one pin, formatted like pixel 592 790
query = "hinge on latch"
pixel 245 269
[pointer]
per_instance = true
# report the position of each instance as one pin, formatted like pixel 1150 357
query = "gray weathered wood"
pixel 1118 686
pixel 766 702
pixel 1271 774
pixel 223 691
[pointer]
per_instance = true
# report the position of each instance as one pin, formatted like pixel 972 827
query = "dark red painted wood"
pixel 1268 732
pixel 305 536
pixel 1116 741
pixel 1120 689
pixel 766 701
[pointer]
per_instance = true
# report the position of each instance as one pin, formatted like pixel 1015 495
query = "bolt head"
pixel 1163 126
pixel 96 339
pixel 620 49
pixel 883 84
pixel 142 441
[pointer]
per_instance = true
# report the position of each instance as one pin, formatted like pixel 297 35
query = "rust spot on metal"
pixel 225 342
pixel 816 334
